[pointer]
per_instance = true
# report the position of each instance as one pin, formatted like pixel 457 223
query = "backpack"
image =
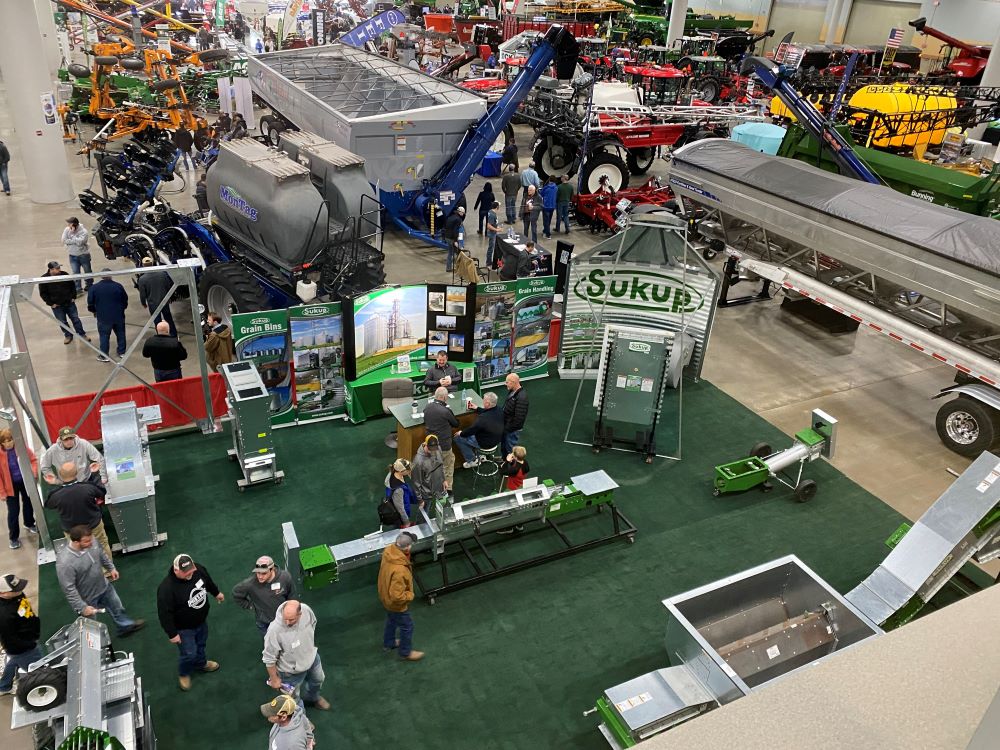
pixel 387 513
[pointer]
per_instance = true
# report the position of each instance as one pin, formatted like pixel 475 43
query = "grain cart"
pixel 421 138
pixel 970 62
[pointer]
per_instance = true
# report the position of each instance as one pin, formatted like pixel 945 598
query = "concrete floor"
pixel 768 360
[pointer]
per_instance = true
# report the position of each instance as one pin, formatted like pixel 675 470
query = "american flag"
pixel 895 38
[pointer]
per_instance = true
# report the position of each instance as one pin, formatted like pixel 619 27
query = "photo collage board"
pixel 450 316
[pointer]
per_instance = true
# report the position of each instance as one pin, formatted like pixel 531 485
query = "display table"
pixel 410 431
pixel 492 165
pixel 364 395
pixel 541 261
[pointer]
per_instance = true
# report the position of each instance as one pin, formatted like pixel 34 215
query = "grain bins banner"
pixel 317 335
pixel 262 338
pixel 661 297
pixel 512 328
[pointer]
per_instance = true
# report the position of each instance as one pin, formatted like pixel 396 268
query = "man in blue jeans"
pixel 19 630
pixel 484 433
pixel 4 161
pixel 61 296
pixel 395 591
pixel 107 299
pixel 77 242
pixel 80 567
pixel 182 605
pixel 290 653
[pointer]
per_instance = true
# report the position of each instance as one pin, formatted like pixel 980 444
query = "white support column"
pixel 828 31
pixel 839 29
pixel 39 131
pixel 678 13
pixel 50 42
pixel 991 77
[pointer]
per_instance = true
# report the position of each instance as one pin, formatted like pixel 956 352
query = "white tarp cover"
pixel 965 238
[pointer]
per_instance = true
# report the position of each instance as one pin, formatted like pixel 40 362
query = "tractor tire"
pixel 42 689
pixel 105 60
pixel 805 491
pixel 168 84
pixel 228 288
pixel 78 71
pixel 604 163
pixel 132 63
pixel 708 89
pixel 966 426
pixel 213 55
pixel 682 62
pixel 639 160
pixel 505 137
pixel 643 39
pixel 555 159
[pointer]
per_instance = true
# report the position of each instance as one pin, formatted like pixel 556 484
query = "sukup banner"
pixel 511 332
pixel 317 337
pixel 262 338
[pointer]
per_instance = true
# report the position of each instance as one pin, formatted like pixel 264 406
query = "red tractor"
pixel 967 66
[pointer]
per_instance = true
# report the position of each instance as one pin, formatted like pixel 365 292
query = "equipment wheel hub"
pixel 962 427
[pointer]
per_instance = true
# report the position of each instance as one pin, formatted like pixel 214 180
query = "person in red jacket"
pixel 515 467
pixel 12 489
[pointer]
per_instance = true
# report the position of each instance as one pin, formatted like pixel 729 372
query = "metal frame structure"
pixel 20 398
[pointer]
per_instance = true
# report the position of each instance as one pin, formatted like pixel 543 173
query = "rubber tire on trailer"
pixel 49 680
pixel 710 84
pixel 274 133
pixel 805 491
pixel 640 160
pixel 213 55
pixel 246 294
pixel 984 421
pixel 78 71
pixel 538 155
pixel 167 84
pixel 760 450
pixel 105 60
pixel 609 162
pixel 132 63
pixel 266 121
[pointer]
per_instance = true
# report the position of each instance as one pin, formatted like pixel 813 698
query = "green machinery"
pixel 461 531
pixel 647 23
pixel 946 187
pixel 819 439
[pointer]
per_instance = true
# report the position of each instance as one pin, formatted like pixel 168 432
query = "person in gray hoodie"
pixel 290 729
pixel 290 654
pixel 267 588
pixel 80 567
pixel 428 473
pixel 70 448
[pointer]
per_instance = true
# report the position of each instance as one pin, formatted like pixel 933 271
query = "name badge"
pixel 276 586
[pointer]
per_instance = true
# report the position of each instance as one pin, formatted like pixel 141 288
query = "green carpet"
pixel 511 663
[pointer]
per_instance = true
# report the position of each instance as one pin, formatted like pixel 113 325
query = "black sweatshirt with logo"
pixel 183 605
pixel 19 626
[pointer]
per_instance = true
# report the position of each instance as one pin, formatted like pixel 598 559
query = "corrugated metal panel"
pixel 335 155
pixel 257 155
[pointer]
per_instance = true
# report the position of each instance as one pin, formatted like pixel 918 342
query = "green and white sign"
pixel 262 338
pixel 512 328
pixel 317 337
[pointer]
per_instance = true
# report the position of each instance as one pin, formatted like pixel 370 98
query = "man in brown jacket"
pixel 218 343
pixel 395 590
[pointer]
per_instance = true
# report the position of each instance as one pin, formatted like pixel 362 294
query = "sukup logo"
pixel 314 311
pixel 494 288
pixel 260 321
pixel 639 290
pixel 638 346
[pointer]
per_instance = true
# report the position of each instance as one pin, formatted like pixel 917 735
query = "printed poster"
pixel 262 338
pixel 511 332
pixel 317 338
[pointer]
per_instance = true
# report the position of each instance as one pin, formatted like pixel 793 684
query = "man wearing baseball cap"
pixel 61 297
pixel 290 729
pixel 19 630
pixel 395 591
pixel 182 604
pixel 267 588
pixel 71 448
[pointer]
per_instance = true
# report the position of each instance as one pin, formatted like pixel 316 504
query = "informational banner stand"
pixel 512 328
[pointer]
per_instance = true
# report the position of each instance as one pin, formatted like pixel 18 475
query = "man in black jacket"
pixel 443 374
pixel 182 605
pixel 165 352
pixel 79 503
pixel 516 262
pixel 453 235
pixel 19 630
pixel 153 286
pixel 486 432
pixel 515 412
pixel 441 422
pixel 4 161
pixel 61 296
pixel 107 299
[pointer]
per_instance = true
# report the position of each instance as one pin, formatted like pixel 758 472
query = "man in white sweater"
pixel 290 653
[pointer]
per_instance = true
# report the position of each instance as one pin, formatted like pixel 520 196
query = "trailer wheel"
pixel 708 89
pixel 105 60
pixel 132 63
pixel 967 426
pixel 554 157
pixel 227 288
pixel 760 450
pixel 274 133
pixel 266 122
pixel 78 71
pixel 213 55
pixel 805 491
pixel 640 160
pixel 604 164
pixel 165 85
pixel 42 689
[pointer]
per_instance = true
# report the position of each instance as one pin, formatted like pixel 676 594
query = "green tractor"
pixel 648 22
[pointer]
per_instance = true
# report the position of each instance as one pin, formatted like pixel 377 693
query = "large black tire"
pixel 760 450
pixel 805 491
pixel 274 132
pixel 708 89
pixel 42 689
pixel 105 60
pixel 166 84
pixel 604 163
pixel 228 288
pixel 265 125
pixel 78 71
pixel 132 63
pixel 967 426
pixel 505 137
pixel 213 55
pixel 556 161
pixel 640 160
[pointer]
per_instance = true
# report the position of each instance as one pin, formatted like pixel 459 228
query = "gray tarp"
pixel 968 239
